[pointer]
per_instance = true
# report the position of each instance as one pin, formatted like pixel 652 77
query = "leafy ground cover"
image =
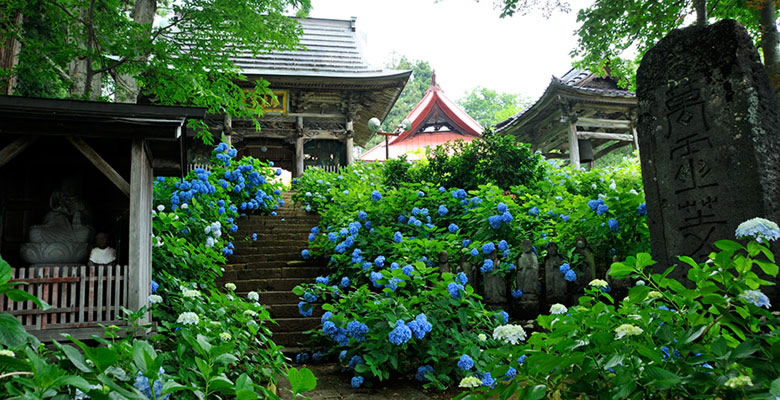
pixel 390 311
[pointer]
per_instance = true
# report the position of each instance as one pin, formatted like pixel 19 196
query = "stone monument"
pixel 708 137
pixel 64 235
pixel 468 268
pixel 619 286
pixel 555 283
pixel 527 280
pixel 444 262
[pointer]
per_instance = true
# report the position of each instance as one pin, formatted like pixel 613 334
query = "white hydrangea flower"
pixel 470 382
pixel 640 283
pixel 654 294
pixel 230 286
pixel 558 309
pixel 627 330
pixel 482 337
pixel 613 185
pixel 161 208
pixel 253 296
pixel 756 297
pixel 599 283
pixel 633 191
pixel 759 228
pixel 209 242
pixel 250 313
pixel 509 333
pixel 188 318
pixel 191 293
pixel 229 297
pixel 158 241
pixel 154 299
pixel 7 353
pixel 225 336
pixel 739 381
pixel 184 206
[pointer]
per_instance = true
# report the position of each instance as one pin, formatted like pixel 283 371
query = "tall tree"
pixel 610 27
pixel 489 107
pixel 419 82
pixel 114 49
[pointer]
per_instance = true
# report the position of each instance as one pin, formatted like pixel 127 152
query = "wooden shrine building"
pixel 580 116
pixel 326 93
pixel 68 170
pixel 435 120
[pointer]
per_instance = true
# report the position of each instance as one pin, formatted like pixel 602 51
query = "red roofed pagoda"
pixel 435 120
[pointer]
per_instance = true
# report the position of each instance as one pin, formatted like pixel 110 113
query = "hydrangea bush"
pixel 714 339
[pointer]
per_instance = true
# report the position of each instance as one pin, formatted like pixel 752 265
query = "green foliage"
pixel 489 107
pixel 709 340
pixel 495 159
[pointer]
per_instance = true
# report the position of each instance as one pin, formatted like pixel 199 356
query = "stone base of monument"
pixel 58 253
pixel 524 309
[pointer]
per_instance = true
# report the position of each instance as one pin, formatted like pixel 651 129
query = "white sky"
pixel 464 41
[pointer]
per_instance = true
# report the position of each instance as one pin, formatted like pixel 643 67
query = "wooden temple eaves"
pixel 573 110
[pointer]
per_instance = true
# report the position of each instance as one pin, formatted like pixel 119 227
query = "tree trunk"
pixel 701 12
pixel 85 84
pixel 127 89
pixel 9 53
pixel 769 45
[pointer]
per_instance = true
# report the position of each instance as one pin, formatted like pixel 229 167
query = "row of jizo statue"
pixel 538 287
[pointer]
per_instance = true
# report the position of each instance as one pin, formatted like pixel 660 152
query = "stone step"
pixel 246 237
pixel 259 255
pixel 303 273
pixel 291 311
pixel 273 245
pixel 292 340
pixel 271 226
pixel 241 266
pixel 275 297
pixel 268 284
pixel 298 324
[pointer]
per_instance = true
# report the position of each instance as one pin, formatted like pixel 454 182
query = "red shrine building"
pixel 435 120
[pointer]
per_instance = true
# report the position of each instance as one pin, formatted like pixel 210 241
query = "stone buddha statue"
pixel 65 234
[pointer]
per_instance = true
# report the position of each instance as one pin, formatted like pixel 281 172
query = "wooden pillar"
pixel 349 142
pixel 636 138
pixel 299 148
pixel 228 128
pixel 140 246
pixel 574 147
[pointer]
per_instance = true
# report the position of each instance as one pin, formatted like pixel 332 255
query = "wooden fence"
pixel 328 168
pixel 80 297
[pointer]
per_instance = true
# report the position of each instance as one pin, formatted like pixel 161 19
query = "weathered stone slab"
pixel 708 138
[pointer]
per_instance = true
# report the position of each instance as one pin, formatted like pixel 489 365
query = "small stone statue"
pixel 102 254
pixel 444 262
pixel 619 286
pixel 588 272
pixel 467 268
pixel 555 283
pixel 527 280
pixel 495 284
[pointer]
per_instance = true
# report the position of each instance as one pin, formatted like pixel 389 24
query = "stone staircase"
pixel 272 266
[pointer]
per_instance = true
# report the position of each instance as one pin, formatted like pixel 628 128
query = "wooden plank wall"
pixel 79 296
pixel 140 246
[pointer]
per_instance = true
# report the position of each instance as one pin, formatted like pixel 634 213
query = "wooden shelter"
pixel 112 150
pixel 580 109
pixel 435 120
pixel 326 92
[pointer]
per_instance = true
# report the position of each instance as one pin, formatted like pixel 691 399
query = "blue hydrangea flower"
pixel 465 363
pixel 487 266
pixel 366 266
pixel 510 373
pixel 594 204
pixel 459 194
pixel 759 228
pixel 487 380
pixel 355 361
pixel 309 297
pixel 488 248
pixel 401 334
pixel 422 371
pixel 375 277
pixel 494 221
pixel 394 266
pixel 421 193
pixel 755 297
pixel 362 215
pixel 570 275
pixel 305 254
pixel 474 252
pixel 442 189
pixel 641 210
pixel 344 282
pixel 462 278
pixel 379 261
pixel 155 285
pixel 501 208
pixel 357 330
pixel 357 381
pixel 533 211
pixel 376 196
pixel 613 224
pixel 420 326
pixel 402 219
pixel 342 355
pixel 506 217
pixel 506 317
pixel 503 245
pixel 333 237
pixel 305 309
pixel 516 294
pixel 142 384
pixel 398 237
pixel 454 289
pixel 325 317
pixel 341 247
pixel 315 230
pixel 602 209
pixel 466 242
pixel 564 268
pixel 323 280
pixel 452 228
pixel 302 358
pixel 392 284
pixel 522 358
pixel 443 210
pixel 565 217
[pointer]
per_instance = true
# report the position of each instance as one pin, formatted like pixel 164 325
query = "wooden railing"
pixel 192 167
pixel 81 299
pixel 327 168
